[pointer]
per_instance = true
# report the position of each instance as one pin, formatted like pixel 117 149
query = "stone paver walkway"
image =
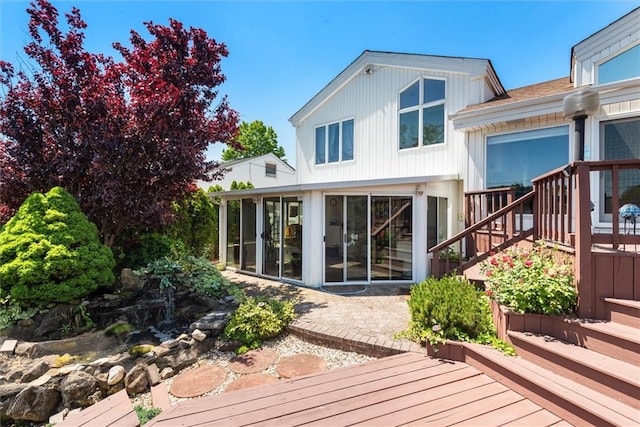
pixel 353 317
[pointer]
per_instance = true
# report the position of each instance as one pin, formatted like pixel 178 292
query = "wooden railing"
pixel 561 214
pixel 496 232
pixel 480 204
pixel 605 261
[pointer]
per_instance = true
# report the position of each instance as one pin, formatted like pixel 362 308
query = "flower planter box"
pixel 507 320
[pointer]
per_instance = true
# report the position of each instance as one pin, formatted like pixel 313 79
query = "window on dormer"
pixel 334 142
pixel 422 108
pixel 621 67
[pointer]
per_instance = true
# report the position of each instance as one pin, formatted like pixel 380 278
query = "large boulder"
pixel 34 404
pixel 35 371
pixel 137 380
pixel 78 389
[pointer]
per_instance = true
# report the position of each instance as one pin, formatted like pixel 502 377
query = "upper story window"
pixel 422 107
pixel 270 169
pixel 621 67
pixel 334 142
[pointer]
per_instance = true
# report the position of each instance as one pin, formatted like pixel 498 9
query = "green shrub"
pixel 203 277
pixel 146 414
pixel 140 249
pixel 531 281
pixel 11 312
pixel 449 308
pixel 199 274
pixel 50 252
pixel 196 224
pixel 258 319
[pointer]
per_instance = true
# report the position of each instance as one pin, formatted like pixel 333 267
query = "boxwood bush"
pixel 449 308
pixel 51 252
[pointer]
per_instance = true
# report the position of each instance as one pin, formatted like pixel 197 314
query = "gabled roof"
pixel 265 157
pixel 525 93
pixel 370 59
pixel 517 104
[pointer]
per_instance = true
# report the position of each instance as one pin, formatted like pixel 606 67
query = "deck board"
pixel 115 410
pixel 404 389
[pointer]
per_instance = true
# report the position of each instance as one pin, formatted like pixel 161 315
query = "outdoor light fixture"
pixel 579 105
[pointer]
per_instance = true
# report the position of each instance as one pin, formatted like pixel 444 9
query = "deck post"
pixel 583 259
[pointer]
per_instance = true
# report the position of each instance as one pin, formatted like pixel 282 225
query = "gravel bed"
pixel 285 345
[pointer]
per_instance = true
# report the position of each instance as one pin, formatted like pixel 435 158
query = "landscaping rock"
pixel 178 359
pixel 154 374
pixel 198 335
pixel 77 389
pixel 34 404
pixel 115 375
pixel 130 281
pixel 35 371
pixel 137 381
pixel 166 373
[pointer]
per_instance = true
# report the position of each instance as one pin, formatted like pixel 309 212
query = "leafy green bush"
pixel 50 252
pixel 146 414
pixel 205 278
pixel 531 281
pixel 199 274
pixel 140 249
pixel 10 312
pixel 258 319
pixel 196 224
pixel 449 308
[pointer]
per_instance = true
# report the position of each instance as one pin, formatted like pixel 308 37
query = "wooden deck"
pixel 115 410
pixel 409 388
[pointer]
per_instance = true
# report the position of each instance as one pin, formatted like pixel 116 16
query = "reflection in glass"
pixel 292 248
pixel 409 129
pixel 271 241
pixel 391 238
pixel 233 233
pixel 621 67
pixel 248 237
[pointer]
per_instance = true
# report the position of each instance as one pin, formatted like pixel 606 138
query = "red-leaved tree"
pixel 125 138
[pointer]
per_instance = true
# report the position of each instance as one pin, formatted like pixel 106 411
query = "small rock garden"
pixel 72 334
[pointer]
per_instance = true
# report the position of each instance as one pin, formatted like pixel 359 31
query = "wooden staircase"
pixel 584 371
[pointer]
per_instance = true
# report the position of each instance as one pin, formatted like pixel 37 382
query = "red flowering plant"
pixel 531 280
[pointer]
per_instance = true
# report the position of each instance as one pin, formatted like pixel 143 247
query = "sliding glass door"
pixel 346 246
pixel 241 234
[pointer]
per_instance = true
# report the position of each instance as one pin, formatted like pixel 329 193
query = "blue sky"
pixel 281 53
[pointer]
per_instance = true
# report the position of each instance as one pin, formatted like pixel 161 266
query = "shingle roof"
pixel 524 93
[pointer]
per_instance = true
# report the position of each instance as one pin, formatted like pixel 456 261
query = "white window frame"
pixel 420 107
pixel 326 126
pixel 608 58
pixel 268 167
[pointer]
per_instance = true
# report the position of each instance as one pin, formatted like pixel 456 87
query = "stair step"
pixel 597 371
pixel 568 399
pixel 613 339
pixel 623 311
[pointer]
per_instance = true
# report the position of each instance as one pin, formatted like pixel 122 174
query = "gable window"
pixel 270 169
pixel 621 67
pixel 514 159
pixel 334 142
pixel 618 141
pixel 421 114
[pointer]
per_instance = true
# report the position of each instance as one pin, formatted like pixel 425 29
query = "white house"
pixel 386 150
pixel 267 170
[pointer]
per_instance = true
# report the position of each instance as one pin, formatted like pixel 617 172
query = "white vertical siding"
pixel 372 101
pixel 603 45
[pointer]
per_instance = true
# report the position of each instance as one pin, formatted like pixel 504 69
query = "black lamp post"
pixel 579 105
